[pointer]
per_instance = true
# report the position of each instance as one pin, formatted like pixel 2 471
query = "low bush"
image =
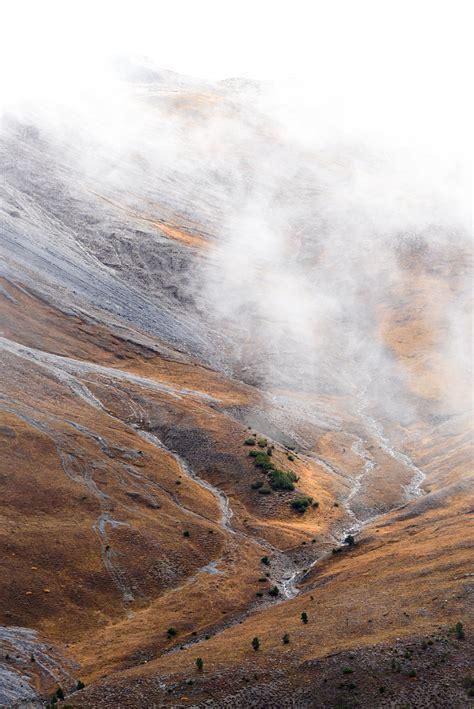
pixel 280 480
pixel 249 442
pixel 459 630
pixel 265 490
pixel 468 684
pixel 285 639
pixel 255 644
pixel 262 442
pixel 274 591
pixel 262 460
pixel 301 504
pixel 304 617
pixel 256 485
pixel 265 560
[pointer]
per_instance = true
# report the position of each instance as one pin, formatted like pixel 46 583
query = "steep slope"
pixel 136 363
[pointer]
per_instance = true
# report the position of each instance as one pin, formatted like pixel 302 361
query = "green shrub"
pixel 468 684
pixel 249 442
pixel 171 632
pixel 347 670
pixel 459 630
pixel 185 533
pixel 269 451
pixel 259 594
pixel 265 560
pixel 199 664
pixel 262 442
pixel 262 460
pixel 304 617
pixel 285 639
pixel 256 485
pixel 349 540
pixel 80 685
pixel 255 644
pixel 291 457
pixel 280 480
pixel 265 490
pixel 301 504
pixel 254 453
pixel 60 693
pixel 274 591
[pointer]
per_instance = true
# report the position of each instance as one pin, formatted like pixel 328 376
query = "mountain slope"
pixel 147 334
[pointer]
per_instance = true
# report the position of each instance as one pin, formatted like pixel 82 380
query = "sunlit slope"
pixel 167 313
pixel 97 504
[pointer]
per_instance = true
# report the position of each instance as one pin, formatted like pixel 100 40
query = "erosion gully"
pixel 286 573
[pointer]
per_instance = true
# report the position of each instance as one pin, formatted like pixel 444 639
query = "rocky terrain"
pixel 233 407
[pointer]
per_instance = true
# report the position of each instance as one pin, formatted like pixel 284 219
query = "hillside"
pixel 174 304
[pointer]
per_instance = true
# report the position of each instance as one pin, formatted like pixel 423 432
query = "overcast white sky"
pixel 414 39
pixel 410 55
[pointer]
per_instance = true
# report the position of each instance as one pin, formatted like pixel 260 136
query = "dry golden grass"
pixel 66 464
